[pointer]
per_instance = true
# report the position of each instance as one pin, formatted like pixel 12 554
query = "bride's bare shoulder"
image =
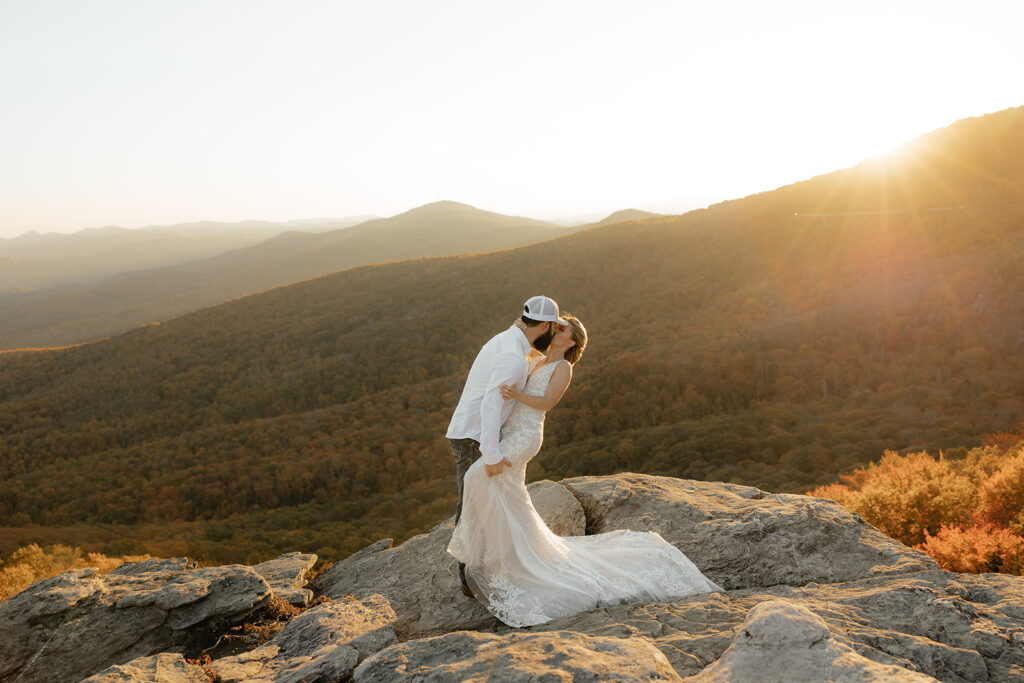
pixel 563 367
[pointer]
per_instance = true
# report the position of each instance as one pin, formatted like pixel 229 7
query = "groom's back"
pixel 484 361
pixel 465 422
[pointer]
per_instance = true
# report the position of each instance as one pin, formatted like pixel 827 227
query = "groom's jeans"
pixel 466 451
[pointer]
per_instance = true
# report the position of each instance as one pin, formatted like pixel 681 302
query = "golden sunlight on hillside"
pixel 757 342
pixel 964 508
pixel 32 562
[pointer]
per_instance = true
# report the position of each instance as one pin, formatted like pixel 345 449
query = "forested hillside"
pixel 749 342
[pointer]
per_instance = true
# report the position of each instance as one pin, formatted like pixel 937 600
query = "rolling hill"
pixel 33 263
pixel 627 215
pixel 111 305
pixel 775 340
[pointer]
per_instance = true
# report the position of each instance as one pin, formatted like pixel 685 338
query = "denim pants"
pixel 466 451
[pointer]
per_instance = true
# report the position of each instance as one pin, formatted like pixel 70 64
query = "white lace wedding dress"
pixel 523 572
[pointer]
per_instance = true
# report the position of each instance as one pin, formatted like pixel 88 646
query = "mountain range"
pixel 34 262
pixel 776 341
pixel 108 304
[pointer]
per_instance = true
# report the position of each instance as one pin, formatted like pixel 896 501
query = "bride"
pixel 524 573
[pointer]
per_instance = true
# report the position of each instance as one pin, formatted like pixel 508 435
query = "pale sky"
pixel 135 112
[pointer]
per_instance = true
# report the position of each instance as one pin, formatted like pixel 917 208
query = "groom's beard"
pixel 542 342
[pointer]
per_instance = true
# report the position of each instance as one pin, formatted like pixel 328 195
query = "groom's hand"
pixel 496 468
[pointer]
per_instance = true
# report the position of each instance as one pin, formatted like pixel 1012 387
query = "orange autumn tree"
pixel 967 512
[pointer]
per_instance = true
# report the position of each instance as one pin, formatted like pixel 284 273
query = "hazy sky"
pixel 136 112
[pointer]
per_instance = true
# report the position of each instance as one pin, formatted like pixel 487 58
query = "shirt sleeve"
pixel 508 369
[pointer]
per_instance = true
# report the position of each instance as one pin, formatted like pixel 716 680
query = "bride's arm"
pixel 557 385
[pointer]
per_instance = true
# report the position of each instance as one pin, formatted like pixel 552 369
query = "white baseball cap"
pixel 543 309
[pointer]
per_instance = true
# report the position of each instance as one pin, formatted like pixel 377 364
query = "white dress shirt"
pixel 482 410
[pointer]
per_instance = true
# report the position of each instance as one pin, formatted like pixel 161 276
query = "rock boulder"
pixel 517 657
pixel 324 643
pixel 73 625
pixel 782 641
pixel 287 576
pixel 166 667
pixel 742 537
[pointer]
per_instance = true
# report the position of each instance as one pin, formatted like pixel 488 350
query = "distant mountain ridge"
pixel 311 224
pixel 628 215
pixel 80 312
pixel 34 261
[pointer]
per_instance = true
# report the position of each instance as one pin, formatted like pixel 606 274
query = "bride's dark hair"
pixel 579 335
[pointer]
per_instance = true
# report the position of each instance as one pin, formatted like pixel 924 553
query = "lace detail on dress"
pixel 510 603
pixel 527 575
pixel 523 431
pixel 523 417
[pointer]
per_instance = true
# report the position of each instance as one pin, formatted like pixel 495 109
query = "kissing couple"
pixel 509 559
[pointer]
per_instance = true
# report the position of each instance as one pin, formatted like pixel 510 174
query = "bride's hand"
pixel 518 322
pixel 496 469
pixel 509 392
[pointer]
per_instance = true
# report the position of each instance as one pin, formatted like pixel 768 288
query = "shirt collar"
pixel 521 338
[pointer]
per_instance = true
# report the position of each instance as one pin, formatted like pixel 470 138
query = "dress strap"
pixel 552 366
pixel 560 362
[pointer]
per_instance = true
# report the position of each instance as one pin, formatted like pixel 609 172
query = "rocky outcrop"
pixel 954 627
pixel 517 657
pixel 781 641
pixel 738 536
pixel 742 537
pixel 287 576
pixel 166 667
pixel 886 602
pixel 814 593
pixel 420 578
pixel 324 643
pixel 558 507
pixel 73 625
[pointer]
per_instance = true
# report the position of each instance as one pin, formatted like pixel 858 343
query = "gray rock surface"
pixel 73 625
pixel 324 643
pixel 742 537
pixel 813 589
pixel 954 627
pixel 166 667
pixel 882 600
pixel 421 579
pixel 287 576
pixel 515 657
pixel 782 641
pixel 418 577
pixel 153 565
pixel 558 508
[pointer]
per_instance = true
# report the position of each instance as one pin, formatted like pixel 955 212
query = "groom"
pixel 474 428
